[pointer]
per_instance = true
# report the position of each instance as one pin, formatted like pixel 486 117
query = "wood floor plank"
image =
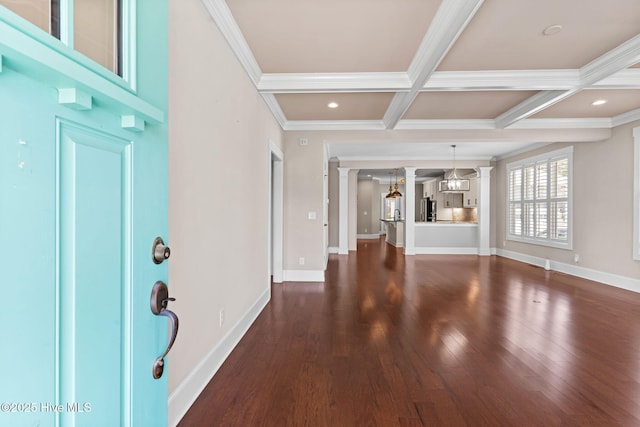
pixel 432 340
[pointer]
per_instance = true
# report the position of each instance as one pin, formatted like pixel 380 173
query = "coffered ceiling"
pixel 442 66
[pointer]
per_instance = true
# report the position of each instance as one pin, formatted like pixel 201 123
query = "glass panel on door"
pixel 38 12
pixel 96 31
pixel 96 28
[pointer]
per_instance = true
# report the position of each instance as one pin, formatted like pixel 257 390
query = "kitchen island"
pixel 394 232
pixel 446 237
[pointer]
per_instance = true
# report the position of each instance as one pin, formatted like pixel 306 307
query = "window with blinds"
pixel 539 199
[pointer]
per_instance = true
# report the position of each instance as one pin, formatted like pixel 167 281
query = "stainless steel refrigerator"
pixel 428 210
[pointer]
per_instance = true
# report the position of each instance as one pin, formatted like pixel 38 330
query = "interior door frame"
pixel 276 212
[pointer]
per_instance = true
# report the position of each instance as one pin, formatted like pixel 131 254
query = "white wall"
pixel 219 132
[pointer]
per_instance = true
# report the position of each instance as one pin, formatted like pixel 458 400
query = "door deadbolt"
pixel 160 251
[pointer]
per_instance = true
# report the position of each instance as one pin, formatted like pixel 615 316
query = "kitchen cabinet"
pixel 430 189
pixel 452 200
pixel 470 198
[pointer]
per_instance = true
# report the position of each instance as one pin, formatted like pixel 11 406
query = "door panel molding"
pixel 94 223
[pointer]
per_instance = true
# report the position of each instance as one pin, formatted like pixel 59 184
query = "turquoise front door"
pixel 83 195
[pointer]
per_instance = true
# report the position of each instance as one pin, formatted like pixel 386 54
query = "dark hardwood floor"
pixel 433 340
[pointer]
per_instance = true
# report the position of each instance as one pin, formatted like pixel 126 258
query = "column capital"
pixel 344 171
pixel 483 171
pixel 409 171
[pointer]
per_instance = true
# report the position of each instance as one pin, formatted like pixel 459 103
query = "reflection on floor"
pixel 433 340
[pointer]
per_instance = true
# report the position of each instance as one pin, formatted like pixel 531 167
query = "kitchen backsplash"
pixel 465 215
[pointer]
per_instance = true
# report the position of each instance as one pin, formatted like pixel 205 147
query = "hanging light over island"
pixel 452 183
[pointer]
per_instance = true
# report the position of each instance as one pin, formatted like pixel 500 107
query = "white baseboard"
pixel 445 251
pixel 190 388
pixel 368 236
pixel 610 279
pixel 303 276
pixel 333 249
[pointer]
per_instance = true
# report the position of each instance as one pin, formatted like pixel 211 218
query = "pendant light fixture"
pixel 452 183
pixel 396 193
pixel 393 194
pixel 390 195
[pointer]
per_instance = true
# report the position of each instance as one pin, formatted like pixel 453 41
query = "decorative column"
pixel 484 210
pixel 343 209
pixel 410 211
pixel 352 227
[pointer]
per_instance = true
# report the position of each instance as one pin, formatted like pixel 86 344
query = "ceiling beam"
pixel 612 62
pixel 447 25
pixel 333 82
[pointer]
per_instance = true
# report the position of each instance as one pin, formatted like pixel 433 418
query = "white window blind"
pixel 539 199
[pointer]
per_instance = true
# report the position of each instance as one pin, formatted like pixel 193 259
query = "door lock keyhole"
pixel 160 251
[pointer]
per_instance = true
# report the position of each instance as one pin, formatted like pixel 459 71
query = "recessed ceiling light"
pixel 332 105
pixel 599 102
pixel 552 30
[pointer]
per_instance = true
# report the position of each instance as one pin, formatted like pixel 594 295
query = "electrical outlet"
pixel 221 317
pixel 365 230
pixel 576 258
pixel 301 261
pixel 304 141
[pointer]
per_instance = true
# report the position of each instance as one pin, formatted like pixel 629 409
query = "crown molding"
pixel 323 125
pixel 221 15
pixel 448 23
pixel 334 82
pixel 274 106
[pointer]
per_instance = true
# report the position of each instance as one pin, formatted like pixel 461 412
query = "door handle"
pixel 159 301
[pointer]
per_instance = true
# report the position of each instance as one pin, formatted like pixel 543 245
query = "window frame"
pixel 535 161
pixel 60 39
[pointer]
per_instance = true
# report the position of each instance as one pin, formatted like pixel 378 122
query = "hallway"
pixel 432 340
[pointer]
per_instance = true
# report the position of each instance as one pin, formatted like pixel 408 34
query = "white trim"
pixel 615 280
pixel 333 249
pixel 190 388
pixel 624 118
pixel 333 82
pixel 303 275
pixel 276 212
pixel 446 124
pixel 532 105
pixel 274 106
pixel 221 15
pixel 343 211
pixel 636 194
pixel 445 251
pixel 615 60
pixel 503 80
pixel 568 123
pixel 293 125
